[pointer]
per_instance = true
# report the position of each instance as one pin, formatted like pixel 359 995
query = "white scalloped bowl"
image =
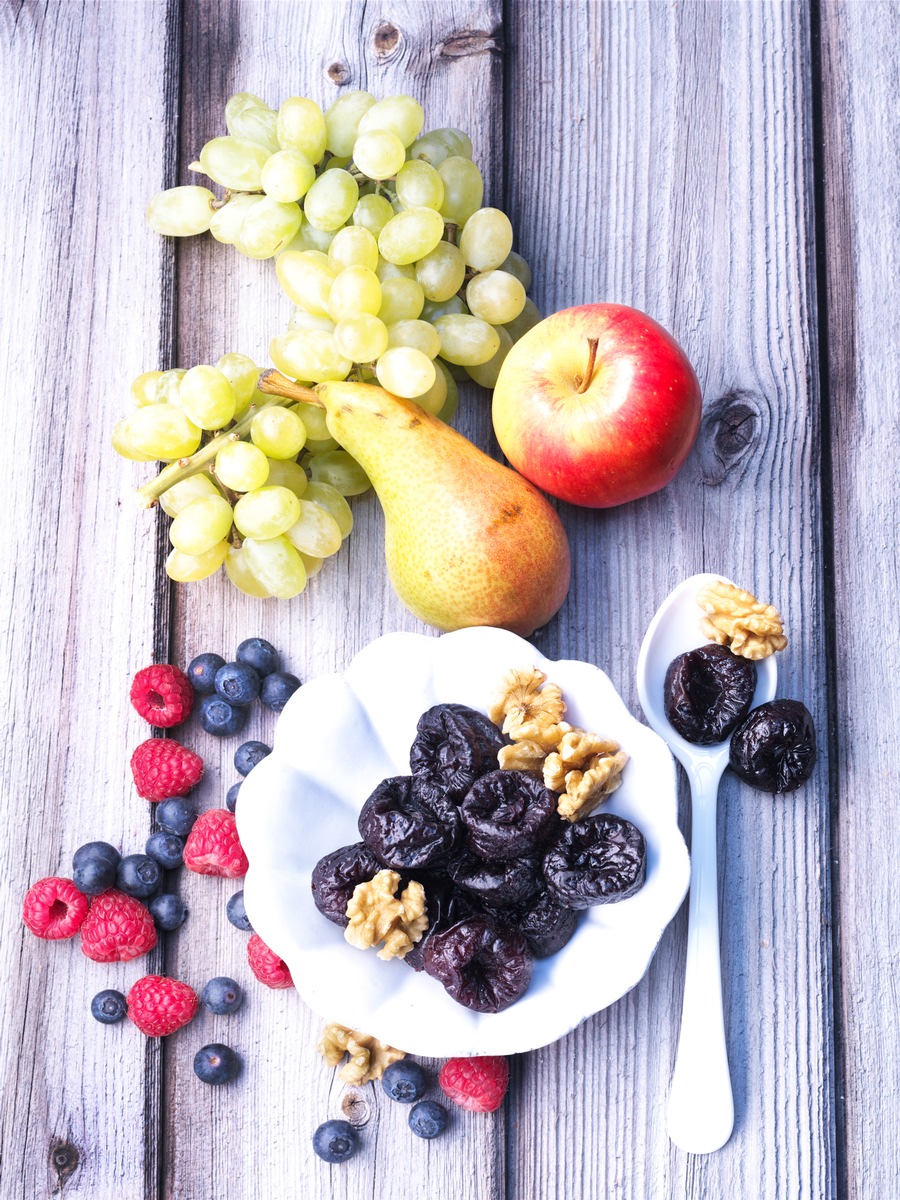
pixel 336 739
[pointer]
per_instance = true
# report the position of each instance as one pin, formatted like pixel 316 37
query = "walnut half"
pixel 377 915
pixel 736 619
pixel 585 769
pixel 367 1056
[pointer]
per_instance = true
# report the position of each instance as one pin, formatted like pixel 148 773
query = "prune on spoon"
pixel 774 747
pixel 485 968
pixel 400 831
pixel 336 875
pixel 507 814
pixel 596 861
pixel 497 884
pixel 707 692
pixel 454 746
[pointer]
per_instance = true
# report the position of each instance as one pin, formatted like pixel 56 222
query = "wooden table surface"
pixel 732 169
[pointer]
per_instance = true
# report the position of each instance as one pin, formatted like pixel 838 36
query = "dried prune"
pixel 707 692
pixel 774 748
pixel 546 925
pixel 400 831
pixel 454 746
pixel 444 906
pixel 596 861
pixel 498 884
pixel 507 814
pixel 336 875
pixel 485 968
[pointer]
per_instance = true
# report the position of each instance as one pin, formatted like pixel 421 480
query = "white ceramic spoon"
pixel 701 1106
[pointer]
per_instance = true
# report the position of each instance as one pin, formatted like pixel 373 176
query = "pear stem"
pixel 583 382
pixel 273 383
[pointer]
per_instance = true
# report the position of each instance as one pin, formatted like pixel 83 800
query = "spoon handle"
pixel 701 1105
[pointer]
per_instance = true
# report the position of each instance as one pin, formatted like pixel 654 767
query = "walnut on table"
pixel 377 915
pixel 368 1057
pixel 736 619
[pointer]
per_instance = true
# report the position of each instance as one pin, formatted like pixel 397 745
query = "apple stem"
pixel 584 382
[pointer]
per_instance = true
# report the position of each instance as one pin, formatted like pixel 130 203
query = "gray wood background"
pixel 732 169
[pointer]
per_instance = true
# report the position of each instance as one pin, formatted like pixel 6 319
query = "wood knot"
pixel 385 38
pixel 338 73
pixel 355 1107
pixel 468 42
pixel 730 429
pixel 64 1159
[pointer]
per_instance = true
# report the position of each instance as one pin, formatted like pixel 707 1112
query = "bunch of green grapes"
pixel 255 487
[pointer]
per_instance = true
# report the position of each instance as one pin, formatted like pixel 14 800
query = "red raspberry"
pixel 163 768
pixel 158 1005
pixel 162 695
pixel 476 1084
pixel 266 965
pixel 54 908
pixel 117 928
pixel 213 846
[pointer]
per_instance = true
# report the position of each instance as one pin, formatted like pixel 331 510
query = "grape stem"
pixel 583 382
pixel 273 383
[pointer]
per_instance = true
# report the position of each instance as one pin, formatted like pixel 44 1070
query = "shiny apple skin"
pixel 627 435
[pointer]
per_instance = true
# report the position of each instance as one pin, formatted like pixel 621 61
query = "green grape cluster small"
pixel 397 273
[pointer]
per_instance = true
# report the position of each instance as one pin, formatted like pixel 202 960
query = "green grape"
pixel 341 160
pixel 527 319
pixel 143 389
pixel 201 524
pixel 379 154
pixel 207 398
pixel 486 239
pixel 313 565
pixel 342 121
pixel 278 432
pixel 410 235
pixel 301 126
pixel 315 531
pixel 226 222
pixel 162 431
pixel 355 290
pixel 441 144
pixel 168 386
pixel 316 446
pixel 243 375
pixel 463 189
pixel 234 162
pixel 436 397
pixel 486 373
pixel 373 213
pixel 267 512
pixel 448 412
pixel 121 443
pixel 284 473
pixel 333 502
pixel 267 228
pixel 387 270
pixel 431 311
pixel 181 211
pixel 353 246
pixel 516 265
pixel 300 319
pixel 287 175
pixel 361 338
pixel 467 341
pixel 419 186
pixel 405 372
pixel 441 273
pixel 181 494
pixel 401 300
pixel 307 277
pixel 342 471
pixel 402 115
pixel 420 335
pixel 241 576
pixel 309 354
pixel 495 296
pixel 246 116
pixel 277 566
pixel 310 238
pixel 314 421
pixel 241 467
pixel 188 568
pixel 330 201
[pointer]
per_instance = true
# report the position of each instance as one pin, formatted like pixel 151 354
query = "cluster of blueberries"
pixel 229 688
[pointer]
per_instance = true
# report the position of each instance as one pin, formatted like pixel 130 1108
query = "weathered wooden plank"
pixel 658 155
pixel 84 130
pixel 860 73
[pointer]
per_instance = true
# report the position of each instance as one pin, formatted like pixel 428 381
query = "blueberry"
pixel 202 672
pixel 258 654
pixel 220 717
pixel 248 755
pixel 94 876
pixel 95 850
pixel 237 683
pixel 137 875
pixel 277 689
pixel 237 914
pixel 232 795
pixel 167 849
pixel 427 1119
pixel 168 911
pixel 404 1081
pixel 335 1141
pixel 176 815
pixel 108 1007
pixel 216 1063
pixel 222 995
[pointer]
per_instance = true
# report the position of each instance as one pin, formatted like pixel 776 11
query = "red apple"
pixel 597 405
